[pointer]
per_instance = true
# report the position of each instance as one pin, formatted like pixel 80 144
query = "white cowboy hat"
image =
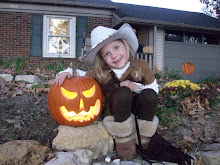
pixel 101 36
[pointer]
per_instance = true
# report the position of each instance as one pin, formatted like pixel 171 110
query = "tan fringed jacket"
pixel 138 71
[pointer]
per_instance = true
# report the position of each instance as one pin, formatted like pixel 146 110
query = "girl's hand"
pixel 61 77
pixel 129 84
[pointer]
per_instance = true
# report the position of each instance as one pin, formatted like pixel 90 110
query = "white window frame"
pixel 72 35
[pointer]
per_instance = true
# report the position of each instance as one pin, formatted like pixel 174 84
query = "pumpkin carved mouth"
pixel 83 115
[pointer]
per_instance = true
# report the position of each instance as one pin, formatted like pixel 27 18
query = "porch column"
pixel 154 46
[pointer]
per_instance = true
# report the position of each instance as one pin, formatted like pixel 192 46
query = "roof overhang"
pixel 160 23
pixel 64 3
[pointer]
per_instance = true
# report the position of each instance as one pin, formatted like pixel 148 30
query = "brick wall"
pixel 15 37
pixel 97 21
pixel 14 34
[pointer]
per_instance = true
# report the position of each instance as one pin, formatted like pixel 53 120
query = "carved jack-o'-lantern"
pixel 77 102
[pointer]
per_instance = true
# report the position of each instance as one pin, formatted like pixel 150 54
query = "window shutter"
pixel 36 34
pixel 81 27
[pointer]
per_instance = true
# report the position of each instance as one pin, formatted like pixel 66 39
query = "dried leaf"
pixel 4 90
pixel 189 139
pixel 197 132
pixel 183 106
pixel 174 96
pixel 199 121
pixel 22 85
pixel 17 92
pixel 161 128
pixel 197 113
pixel 50 82
pixel 43 90
pixel 198 161
pixel 206 104
pixel 7 71
pixel 207 138
pixel 199 104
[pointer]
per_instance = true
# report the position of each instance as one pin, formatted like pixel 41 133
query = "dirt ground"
pixel 27 117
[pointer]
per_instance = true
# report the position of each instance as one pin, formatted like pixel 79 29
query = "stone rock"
pixel 28 152
pixel 7 77
pixel 2 81
pixel 210 147
pixel 28 86
pixel 27 78
pixel 78 157
pixel 209 154
pixel 93 137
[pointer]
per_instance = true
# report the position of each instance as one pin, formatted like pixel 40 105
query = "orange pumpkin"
pixel 188 68
pixel 77 102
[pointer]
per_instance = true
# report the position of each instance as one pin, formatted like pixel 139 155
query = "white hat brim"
pixel 124 32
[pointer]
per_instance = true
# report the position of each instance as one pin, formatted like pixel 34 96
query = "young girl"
pixel 128 85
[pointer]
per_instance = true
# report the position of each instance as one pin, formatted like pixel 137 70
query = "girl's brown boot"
pixel 147 129
pixel 124 135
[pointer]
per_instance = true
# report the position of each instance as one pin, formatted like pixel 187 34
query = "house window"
pixel 59 36
pixel 172 35
pixel 212 39
pixel 193 38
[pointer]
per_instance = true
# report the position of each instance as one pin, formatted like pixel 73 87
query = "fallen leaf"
pixel 189 139
pixel 43 90
pixel 10 121
pixel 199 121
pixel 161 128
pixel 207 138
pixel 4 90
pixel 197 132
pixel 199 104
pixel 174 96
pixel 207 104
pixel 198 161
pixel 197 113
pixel 50 82
pixel 17 92
pixel 7 71
pixel 22 85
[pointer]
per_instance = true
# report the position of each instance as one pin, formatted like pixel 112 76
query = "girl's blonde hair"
pixel 102 69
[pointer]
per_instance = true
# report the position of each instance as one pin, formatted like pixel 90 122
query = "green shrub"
pixel 56 66
pixel 170 98
pixel 171 74
pixel 17 64
pixel 210 93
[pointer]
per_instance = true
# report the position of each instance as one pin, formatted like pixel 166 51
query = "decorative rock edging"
pixel 28 152
pixel 93 137
pixel 13 86
pixel 78 157
pixel 25 78
pixel 7 77
pixel 209 154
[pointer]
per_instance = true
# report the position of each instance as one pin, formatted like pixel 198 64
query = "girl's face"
pixel 115 54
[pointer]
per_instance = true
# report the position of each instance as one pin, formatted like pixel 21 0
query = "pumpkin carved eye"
pixel 68 94
pixel 90 92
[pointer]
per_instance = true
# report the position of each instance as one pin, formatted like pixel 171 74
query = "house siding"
pixel 159 52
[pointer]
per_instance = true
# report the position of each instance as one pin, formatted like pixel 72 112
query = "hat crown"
pixel 99 34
